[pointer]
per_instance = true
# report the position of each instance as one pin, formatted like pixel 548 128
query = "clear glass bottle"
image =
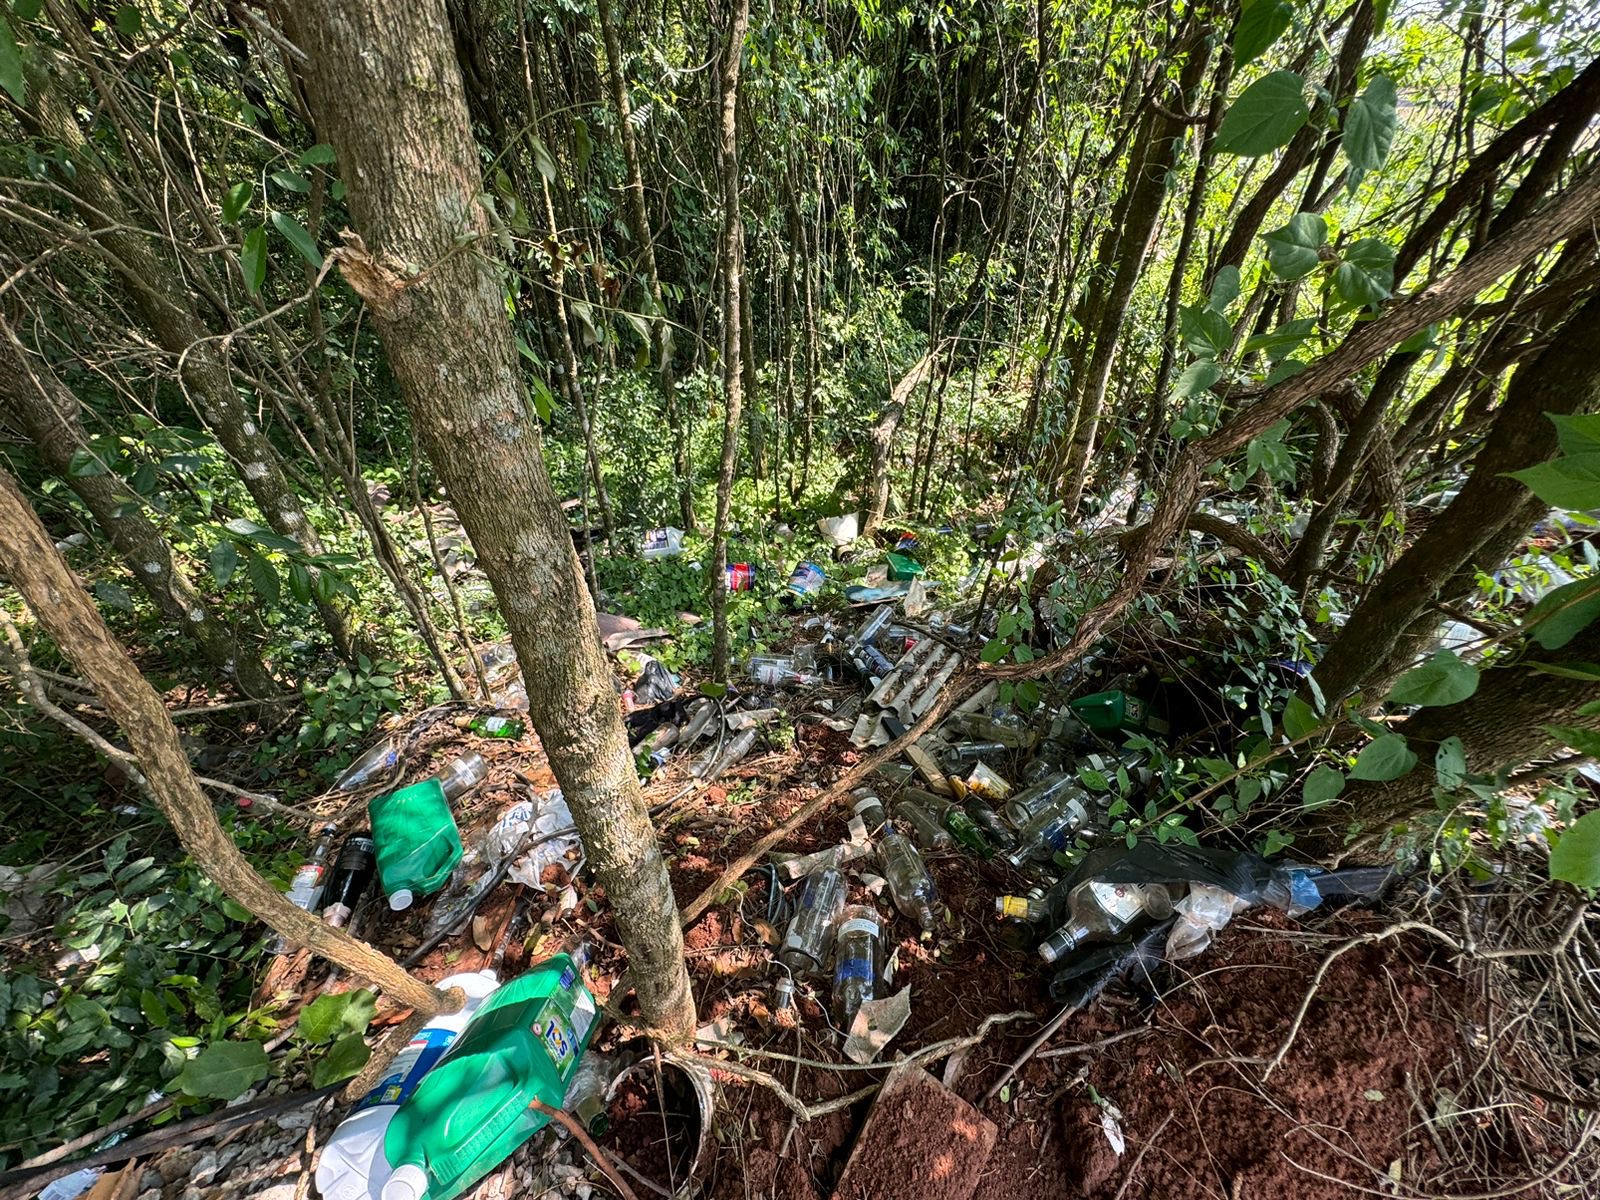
pixel 462 775
pixel 1009 729
pixel 805 944
pixel 857 962
pixel 1050 830
pixel 1031 801
pixel 374 766
pixel 869 807
pixel 925 828
pixel 996 830
pixel 305 889
pixel 1097 911
pixel 907 875
pixel 964 753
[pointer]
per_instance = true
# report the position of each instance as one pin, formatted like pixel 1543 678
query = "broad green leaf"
pixel 1195 379
pixel 295 234
pixel 236 200
pixel 332 1014
pixel 291 181
pixel 263 577
pixel 319 155
pixel 1588 672
pixel 224 562
pixel 343 1059
pixel 224 1070
pixel 300 582
pixel 544 401
pixel 1266 115
pixel 1224 289
pixel 1206 333
pixel 1369 125
pixel 261 535
pixel 1576 858
pixel 1584 741
pixel 1282 341
pixel 1383 759
pixel 11 76
pixel 1298 719
pixel 1571 482
pixel 1287 369
pixel 1450 763
pixel 1293 251
pixel 1565 612
pixel 1443 679
pixel 85 464
pixel 253 259
pixel 1366 272
pixel 1577 434
pixel 1260 25
pixel 542 160
pixel 129 20
pixel 1321 786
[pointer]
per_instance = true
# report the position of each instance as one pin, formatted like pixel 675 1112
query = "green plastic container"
pixel 1106 711
pixel 471 1111
pixel 901 567
pixel 418 844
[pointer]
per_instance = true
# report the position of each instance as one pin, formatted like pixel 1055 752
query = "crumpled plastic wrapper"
pixel 536 819
pixel 1201 913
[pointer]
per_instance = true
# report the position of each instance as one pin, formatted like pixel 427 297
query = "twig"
pixel 1086 1047
pixel 806 1112
pixel 1138 1158
pixel 576 1129
pixel 1045 1034
pixel 97 1135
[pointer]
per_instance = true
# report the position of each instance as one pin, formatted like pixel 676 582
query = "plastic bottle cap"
pixel 398 901
pixel 409 1182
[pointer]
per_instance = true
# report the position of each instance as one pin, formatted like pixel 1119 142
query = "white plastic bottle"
pixel 353 1166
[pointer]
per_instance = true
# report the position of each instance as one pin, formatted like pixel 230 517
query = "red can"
pixel 741 577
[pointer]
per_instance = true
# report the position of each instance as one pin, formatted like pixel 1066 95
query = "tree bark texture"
pixel 881 442
pixel 36 569
pixel 387 94
pixel 1565 378
pixel 40 404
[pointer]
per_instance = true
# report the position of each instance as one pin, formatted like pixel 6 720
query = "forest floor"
pixel 1371 1097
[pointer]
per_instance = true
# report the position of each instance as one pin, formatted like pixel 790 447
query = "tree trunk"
pixel 41 404
pixel 732 312
pixel 639 226
pixel 1565 378
pixel 36 569
pixel 162 299
pixel 413 172
pixel 881 442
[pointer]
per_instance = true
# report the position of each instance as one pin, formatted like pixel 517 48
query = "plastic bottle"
pixel 700 715
pixel 1049 830
pixel 462 775
pixel 305 889
pixel 350 879
pixel 586 1094
pixel 1031 801
pixel 491 726
pixel 472 1111
pixel 927 831
pixel 712 765
pixel 907 876
pixel 377 763
pixel 1098 911
pixel 353 1164
pixel 780 670
pixel 872 626
pixel 857 962
pixel 805 944
pixel 418 844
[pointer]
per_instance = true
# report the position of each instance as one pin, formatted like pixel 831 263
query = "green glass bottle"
pixel 965 830
pixel 491 726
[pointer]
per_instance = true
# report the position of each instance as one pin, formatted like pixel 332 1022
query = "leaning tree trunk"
pixel 1565 378
pixel 386 92
pixel 881 441
pixel 162 298
pixel 732 312
pixel 1501 725
pixel 35 568
pixel 48 413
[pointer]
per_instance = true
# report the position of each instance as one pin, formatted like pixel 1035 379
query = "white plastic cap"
pixel 397 901
pixel 409 1182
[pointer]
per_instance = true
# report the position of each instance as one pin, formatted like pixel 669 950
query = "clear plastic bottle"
pixel 462 775
pixel 1097 910
pixel 586 1094
pixel 872 626
pixel 925 828
pixel 374 766
pixel 701 713
pixel 805 944
pixel 305 889
pixel 857 962
pixel 907 875
pixel 1050 830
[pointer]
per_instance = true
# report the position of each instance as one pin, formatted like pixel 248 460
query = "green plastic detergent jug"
pixel 417 842
pixel 471 1111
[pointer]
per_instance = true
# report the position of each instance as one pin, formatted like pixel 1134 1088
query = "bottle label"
pixel 562 1024
pixel 494 725
pixel 860 925
pixel 1015 907
pixel 408 1068
pixel 853 968
pixel 1122 900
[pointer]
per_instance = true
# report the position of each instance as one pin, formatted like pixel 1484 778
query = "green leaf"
pixel 542 160
pixel 1576 858
pixel 1588 672
pixel 1443 679
pixel 1266 115
pixel 1570 482
pixel 544 401
pixel 261 535
pixel 1260 25
pixel 1224 289
pixel 332 1014
pixel 1198 377
pixel 289 181
pixel 1383 759
pixel 1287 369
pixel 1366 271
pixel 343 1059
pixel 236 200
pixel 1283 340
pixel 295 234
pixel 1321 786
pixel 300 582
pixel 1298 719
pixel 85 463
pixel 1577 434
pixel 11 76
pixel 319 155
pixel 1369 125
pixel 1584 741
pixel 1293 251
pixel 1450 763
pixel 1565 612
pixel 224 562
pixel 129 20
pixel 1206 332
pixel 263 577
pixel 253 259
pixel 224 1070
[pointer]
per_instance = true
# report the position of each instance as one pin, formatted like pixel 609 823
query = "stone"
pixel 278 1191
pixel 204 1168
pixel 297 1121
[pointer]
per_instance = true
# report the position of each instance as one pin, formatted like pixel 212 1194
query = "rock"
pixel 297 1121
pixel 583 1191
pixel 150 1181
pixel 278 1191
pixel 175 1166
pixel 204 1168
pixel 150 1193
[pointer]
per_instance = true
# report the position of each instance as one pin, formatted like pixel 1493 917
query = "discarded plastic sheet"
pixel 549 831
pixel 876 1024
pixel 841 530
